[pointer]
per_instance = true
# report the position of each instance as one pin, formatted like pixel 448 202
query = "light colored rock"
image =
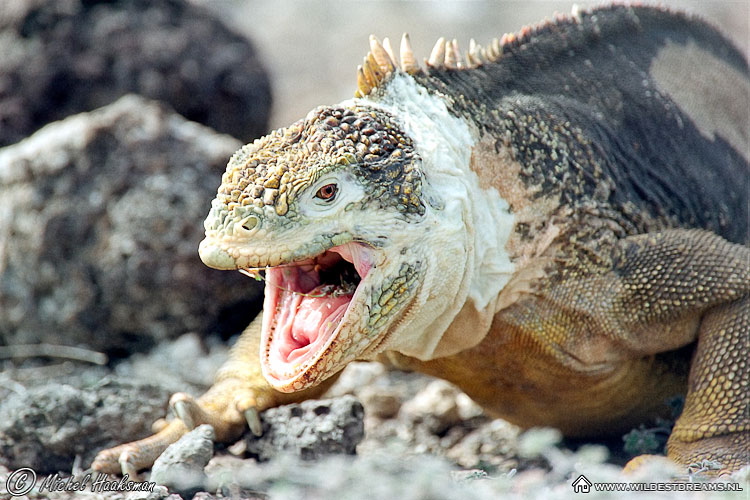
pixel 180 467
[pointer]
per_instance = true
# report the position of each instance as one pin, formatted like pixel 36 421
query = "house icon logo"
pixel 581 485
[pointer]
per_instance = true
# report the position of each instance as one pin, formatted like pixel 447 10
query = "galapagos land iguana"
pixel 557 223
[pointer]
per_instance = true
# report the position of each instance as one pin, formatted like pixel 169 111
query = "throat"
pixel 305 306
pixel 304 322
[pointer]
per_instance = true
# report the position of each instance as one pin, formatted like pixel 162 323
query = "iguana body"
pixel 559 226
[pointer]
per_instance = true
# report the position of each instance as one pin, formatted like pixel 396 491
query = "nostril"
pixel 249 223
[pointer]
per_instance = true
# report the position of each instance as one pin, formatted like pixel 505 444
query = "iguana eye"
pixel 327 192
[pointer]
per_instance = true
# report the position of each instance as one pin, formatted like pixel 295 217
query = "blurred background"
pixel 100 217
pixel 312 48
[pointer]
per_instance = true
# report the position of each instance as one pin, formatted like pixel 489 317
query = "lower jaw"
pixel 302 327
pixel 285 364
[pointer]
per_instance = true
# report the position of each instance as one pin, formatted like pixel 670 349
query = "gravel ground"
pixel 422 439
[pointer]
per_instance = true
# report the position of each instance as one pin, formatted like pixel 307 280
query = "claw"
pixel 126 465
pixel 253 421
pixel 182 410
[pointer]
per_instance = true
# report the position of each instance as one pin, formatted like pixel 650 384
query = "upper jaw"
pixel 329 350
pixel 230 253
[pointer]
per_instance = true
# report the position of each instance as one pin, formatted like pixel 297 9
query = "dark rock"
pixel 62 57
pixel 47 426
pixel 310 429
pixel 100 219
pixel 180 467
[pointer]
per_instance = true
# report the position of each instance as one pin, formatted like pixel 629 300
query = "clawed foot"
pixel 708 468
pixel 227 406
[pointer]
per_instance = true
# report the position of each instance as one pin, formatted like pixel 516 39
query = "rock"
pixel 180 467
pixel 379 402
pixel 356 376
pixel 310 429
pixel 435 406
pixel 50 424
pixel 492 445
pixel 186 364
pixel 100 219
pixel 469 475
pixel 377 476
pixel 226 472
pixel 62 57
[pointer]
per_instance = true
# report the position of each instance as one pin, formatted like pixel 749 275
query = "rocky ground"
pixel 378 434
pixel 105 309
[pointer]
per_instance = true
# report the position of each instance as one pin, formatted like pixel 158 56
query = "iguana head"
pixel 351 233
pixel 326 206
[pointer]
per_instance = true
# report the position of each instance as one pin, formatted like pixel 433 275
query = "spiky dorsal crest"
pixel 381 61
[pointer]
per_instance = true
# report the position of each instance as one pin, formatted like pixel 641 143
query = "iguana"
pixel 556 223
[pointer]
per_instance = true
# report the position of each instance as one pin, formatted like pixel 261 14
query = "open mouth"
pixel 305 304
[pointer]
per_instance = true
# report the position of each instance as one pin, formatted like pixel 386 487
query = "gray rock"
pixel 436 406
pixel 492 445
pixel 225 475
pixel 379 477
pixel 180 467
pixel 469 475
pixel 433 418
pixel 49 425
pixel 382 403
pixel 158 493
pixel 186 364
pixel 100 219
pixel 310 429
pixel 62 57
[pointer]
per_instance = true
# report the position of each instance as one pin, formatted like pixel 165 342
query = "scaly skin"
pixel 558 226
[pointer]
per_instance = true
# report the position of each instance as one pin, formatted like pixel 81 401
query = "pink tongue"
pixel 306 322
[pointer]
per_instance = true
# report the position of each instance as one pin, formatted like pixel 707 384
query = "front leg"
pixel 693 274
pixel 714 424
pixel 230 405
